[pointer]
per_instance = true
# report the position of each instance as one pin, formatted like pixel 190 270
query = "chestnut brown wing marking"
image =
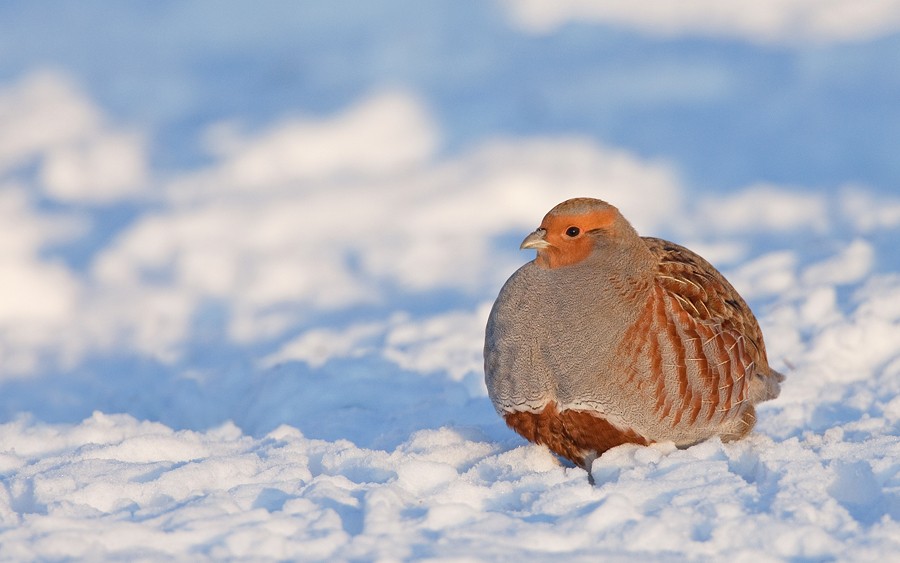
pixel 712 310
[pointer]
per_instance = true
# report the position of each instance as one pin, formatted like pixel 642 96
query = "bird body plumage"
pixel 609 338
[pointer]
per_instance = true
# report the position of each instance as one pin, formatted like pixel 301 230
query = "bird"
pixel 608 338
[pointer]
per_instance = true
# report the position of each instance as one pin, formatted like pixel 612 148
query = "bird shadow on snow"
pixel 368 400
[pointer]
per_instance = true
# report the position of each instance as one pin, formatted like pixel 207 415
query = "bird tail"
pixel 767 386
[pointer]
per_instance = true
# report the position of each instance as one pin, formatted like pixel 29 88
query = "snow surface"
pixel 763 21
pixel 272 350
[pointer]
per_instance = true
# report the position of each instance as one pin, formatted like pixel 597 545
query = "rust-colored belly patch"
pixel 571 433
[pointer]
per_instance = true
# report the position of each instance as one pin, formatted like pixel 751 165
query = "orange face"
pixel 569 238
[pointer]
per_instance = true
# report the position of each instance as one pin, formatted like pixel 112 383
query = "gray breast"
pixel 546 342
pixel 516 357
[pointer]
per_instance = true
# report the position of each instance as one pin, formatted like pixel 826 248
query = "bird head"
pixel 572 231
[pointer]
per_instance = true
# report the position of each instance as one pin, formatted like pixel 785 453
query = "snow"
pixel 272 350
pixel 114 485
pixel 766 21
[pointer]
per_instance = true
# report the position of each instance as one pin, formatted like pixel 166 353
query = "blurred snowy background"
pixel 247 253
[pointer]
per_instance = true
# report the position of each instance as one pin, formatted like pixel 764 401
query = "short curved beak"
pixel 535 240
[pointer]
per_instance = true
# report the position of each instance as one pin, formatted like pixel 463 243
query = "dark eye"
pixel 573 231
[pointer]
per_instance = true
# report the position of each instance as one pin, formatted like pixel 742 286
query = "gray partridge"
pixel 607 338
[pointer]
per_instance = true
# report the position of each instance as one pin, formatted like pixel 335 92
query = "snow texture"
pixel 764 21
pixel 241 326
